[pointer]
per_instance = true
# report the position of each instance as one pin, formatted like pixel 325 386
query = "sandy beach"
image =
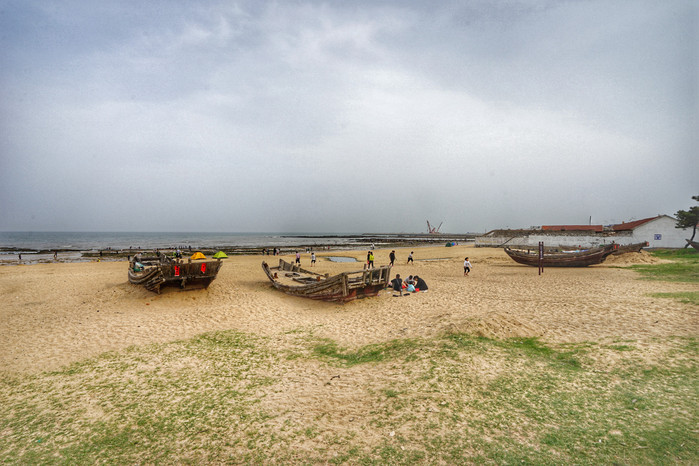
pixel 56 314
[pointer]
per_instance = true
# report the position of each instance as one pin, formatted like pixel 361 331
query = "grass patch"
pixel 683 268
pixel 330 351
pixel 455 399
pixel 687 297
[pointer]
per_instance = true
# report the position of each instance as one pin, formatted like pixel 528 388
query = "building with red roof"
pixel 658 232
pixel 597 228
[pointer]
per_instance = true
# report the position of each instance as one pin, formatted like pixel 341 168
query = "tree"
pixel 688 219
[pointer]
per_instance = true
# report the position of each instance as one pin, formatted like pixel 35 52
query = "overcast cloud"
pixel 345 116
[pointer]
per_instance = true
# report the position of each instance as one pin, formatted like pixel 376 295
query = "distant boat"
pixel 562 259
pixel 624 248
pixel 693 244
pixel 158 271
pixel 344 287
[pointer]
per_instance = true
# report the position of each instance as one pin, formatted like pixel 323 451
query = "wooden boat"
pixel 562 259
pixel 156 272
pixel 635 247
pixel 693 244
pixel 293 280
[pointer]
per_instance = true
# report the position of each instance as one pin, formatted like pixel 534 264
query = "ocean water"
pixel 69 246
pixel 35 247
pixel 93 241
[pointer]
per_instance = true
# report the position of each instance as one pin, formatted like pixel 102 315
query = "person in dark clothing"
pixel 420 284
pixel 392 257
pixel 397 284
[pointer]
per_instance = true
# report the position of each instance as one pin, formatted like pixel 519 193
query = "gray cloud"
pixel 344 117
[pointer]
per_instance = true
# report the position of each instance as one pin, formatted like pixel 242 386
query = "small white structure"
pixel 659 232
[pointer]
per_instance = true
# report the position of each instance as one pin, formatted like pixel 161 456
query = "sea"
pixel 44 246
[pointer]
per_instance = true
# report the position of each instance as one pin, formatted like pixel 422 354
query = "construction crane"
pixel 432 230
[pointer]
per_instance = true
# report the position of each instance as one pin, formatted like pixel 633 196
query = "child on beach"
pixel 298 257
pixel 410 285
pixel 410 258
pixel 467 267
pixel 313 258
pixel 370 260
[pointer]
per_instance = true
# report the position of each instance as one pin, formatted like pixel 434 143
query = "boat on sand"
pixel 581 258
pixel 344 287
pixel 158 271
pixel 635 247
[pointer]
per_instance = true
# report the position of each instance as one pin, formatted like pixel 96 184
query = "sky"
pixel 345 116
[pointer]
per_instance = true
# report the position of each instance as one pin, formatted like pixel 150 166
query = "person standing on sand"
pixel 392 257
pixel 313 259
pixel 370 260
pixel 410 258
pixel 298 258
pixel 467 267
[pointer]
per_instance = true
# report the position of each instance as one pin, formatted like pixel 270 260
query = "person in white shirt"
pixel 467 267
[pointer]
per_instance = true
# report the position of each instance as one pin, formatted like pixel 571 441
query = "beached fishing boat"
pixel 293 280
pixel 158 271
pixel 581 258
pixel 635 247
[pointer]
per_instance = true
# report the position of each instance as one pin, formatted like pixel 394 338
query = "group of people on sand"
pixel 413 284
pixel 313 258
pixel 391 258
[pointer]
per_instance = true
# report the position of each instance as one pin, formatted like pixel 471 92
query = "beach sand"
pixel 56 314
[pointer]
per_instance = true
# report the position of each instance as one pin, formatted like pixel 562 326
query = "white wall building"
pixel 659 232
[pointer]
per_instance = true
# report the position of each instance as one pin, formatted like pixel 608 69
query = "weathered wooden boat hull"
pixel 636 247
pixel 160 273
pixel 571 259
pixel 343 287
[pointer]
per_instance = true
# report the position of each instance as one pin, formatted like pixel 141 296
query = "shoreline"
pixel 9 255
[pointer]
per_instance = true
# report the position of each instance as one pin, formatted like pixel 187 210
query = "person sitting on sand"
pixel 410 287
pixel 420 284
pixel 397 284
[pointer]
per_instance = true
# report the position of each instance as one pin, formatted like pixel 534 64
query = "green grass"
pixel 684 253
pixel 683 268
pixel 330 351
pixel 687 297
pixel 451 399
